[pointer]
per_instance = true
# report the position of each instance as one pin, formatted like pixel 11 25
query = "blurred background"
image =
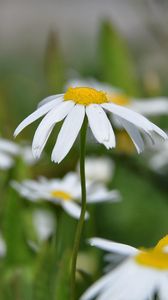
pixel 43 44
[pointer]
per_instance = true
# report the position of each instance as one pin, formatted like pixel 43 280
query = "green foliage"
pixel 17 248
pixel 116 65
pixel 54 65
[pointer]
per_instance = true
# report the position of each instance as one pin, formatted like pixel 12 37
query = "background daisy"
pixel 65 192
pixel 141 274
pixel 10 150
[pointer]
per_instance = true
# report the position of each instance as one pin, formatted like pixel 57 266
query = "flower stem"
pixel 83 209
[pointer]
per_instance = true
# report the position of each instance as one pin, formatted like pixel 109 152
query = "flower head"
pixel 138 277
pixel 158 160
pixel 65 192
pixel 9 150
pixel 73 106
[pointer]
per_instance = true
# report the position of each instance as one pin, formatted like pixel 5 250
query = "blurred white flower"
pixel 142 273
pixel 65 192
pixel 148 107
pixel 158 160
pixel 99 169
pixel 2 246
pixel 44 224
pixel 73 106
pixel 91 82
pixel 10 150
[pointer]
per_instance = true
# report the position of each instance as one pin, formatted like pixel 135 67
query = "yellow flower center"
pixel 118 99
pixel 85 96
pixel 163 243
pixel 153 258
pixel 61 195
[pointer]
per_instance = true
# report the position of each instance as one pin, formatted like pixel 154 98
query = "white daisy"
pixel 158 160
pixel 10 150
pixel 146 106
pixel 2 246
pixel 65 192
pixel 142 273
pixel 73 106
pixel 99 168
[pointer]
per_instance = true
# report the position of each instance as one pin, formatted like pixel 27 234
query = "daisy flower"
pixel 74 106
pixel 65 192
pixel 158 161
pixel 142 273
pixel 146 106
pixel 10 150
pixel 2 246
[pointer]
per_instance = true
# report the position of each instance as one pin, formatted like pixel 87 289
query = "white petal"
pixel 6 161
pixel 49 99
pixel 163 287
pixel 107 279
pixel 112 141
pixel 103 195
pixel 71 180
pixel 134 118
pixel 159 161
pixel 32 185
pixel 98 122
pixel 113 246
pixel 134 284
pixel 160 132
pixel 3 246
pixel 68 133
pixel 73 209
pixel 92 291
pixel 98 168
pixel 120 285
pixel 57 114
pixel 133 133
pixel 24 192
pixel 36 115
pixel 150 107
pixel 9 147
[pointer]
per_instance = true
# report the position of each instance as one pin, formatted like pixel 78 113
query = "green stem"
pixel 83 209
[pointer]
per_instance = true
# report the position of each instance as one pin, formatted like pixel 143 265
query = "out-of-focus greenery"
pixel 139 219
pixel 115 61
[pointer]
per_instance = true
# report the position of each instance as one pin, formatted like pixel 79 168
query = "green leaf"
pixel 116 66
pixel 42 286
pixel 54 65
pixel 16 284
pixel 62 283
pixel 13 225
